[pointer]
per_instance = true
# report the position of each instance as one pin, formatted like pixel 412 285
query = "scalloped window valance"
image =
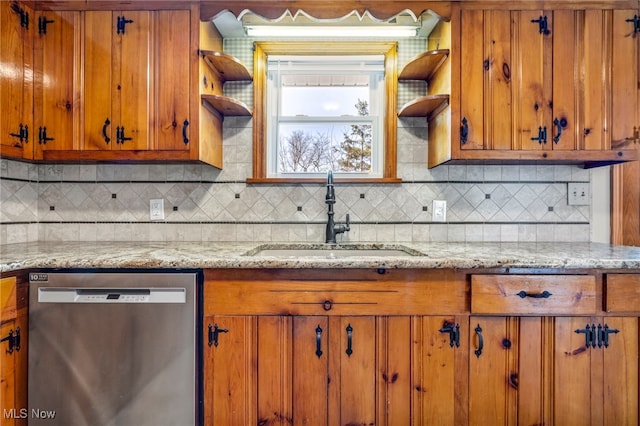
pixel 382 10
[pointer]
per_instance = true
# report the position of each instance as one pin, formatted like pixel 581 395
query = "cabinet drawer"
pixel 622 293
pixel 533 294
pixel 331 292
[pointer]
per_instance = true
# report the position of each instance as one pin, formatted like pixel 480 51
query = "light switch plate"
pixel 439 211
pixel 578 194
pixel 156 209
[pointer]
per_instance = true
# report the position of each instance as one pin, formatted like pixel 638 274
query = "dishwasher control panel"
pixel 111 295
pixel 114 297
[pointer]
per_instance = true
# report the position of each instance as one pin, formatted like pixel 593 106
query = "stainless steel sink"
pixel 332 250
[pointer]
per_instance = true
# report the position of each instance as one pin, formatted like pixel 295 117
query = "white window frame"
pixel 263 156
pixel 325 64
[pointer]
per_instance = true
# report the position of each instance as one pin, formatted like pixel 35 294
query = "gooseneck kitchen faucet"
pixel 330 199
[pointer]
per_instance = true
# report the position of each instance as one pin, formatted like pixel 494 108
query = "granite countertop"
pixel 198 255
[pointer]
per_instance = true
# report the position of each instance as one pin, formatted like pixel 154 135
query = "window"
pixel 328 107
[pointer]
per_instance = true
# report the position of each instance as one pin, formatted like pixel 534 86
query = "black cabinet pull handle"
pixel 544 295
pixel 107 139
pixel 478 331
pixel 349 350
pixel 213 334
pixel 185 138
pixel 464 130
pixel 560 124
pixel 318 341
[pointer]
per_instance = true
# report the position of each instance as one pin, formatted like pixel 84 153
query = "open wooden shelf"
pixel 229 68
pixel 227 106
pixel 424 65
pixel 424 106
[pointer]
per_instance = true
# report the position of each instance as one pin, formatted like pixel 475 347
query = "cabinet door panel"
pixel 472 78
pixel 57 58
pixel 572 372
pixel 498 80
pixel 310 370
pixel 565 81
pixel 99 125
pixel 131 97
pixel 357 370
pixel 16 84
pixel 434 370
pixel 394 378
pixel 7 377
pixel 625 88
pixel 529 74
pixel 490 367
pixel 620 372
pixel 593 135
pixel 530 377
pixel 229 368
pixel 275 360
pixel 172 83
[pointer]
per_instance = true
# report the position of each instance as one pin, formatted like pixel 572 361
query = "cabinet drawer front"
pixel 397 293
pixel 622 293
pixel 533 294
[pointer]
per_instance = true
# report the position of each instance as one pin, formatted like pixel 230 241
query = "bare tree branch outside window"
pixel 301 151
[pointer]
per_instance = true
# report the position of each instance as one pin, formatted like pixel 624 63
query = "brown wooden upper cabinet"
pixel 16 84
pixel 115 85
pixel 553 85
pixel 56 84
pixel 137 80
pixel 625 93
pixel 117 63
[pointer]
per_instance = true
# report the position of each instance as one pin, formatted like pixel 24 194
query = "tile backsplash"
pixel 110 202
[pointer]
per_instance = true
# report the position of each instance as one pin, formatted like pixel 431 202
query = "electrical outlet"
pixel 439 211
pixel 578 194
pixel 156 209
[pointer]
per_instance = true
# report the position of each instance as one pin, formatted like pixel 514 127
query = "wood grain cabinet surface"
pixel 416 347
pixel 13 350
pixel 56 82
pixel 16 84
pixel 533 294
pixel 328 352
pixel 543 85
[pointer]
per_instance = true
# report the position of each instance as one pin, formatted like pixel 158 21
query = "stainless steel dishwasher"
pixel 113 349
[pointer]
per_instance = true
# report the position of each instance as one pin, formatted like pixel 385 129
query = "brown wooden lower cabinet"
pixel 324 349
pixel 322 370
pixel 553 370
pixel 13 352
